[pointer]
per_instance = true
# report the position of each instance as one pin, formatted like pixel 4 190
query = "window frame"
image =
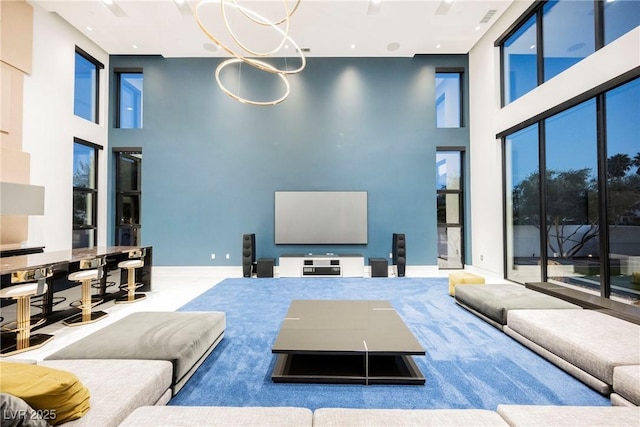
pixel 118 72
pixel 87 190
pixel 537 9
pixel 98 66
pixel 598 94
pixel 118 153
pixel 460 72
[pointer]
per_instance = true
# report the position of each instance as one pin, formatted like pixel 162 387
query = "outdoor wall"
pixel 211 165
pixel 50 126
pixel 488 119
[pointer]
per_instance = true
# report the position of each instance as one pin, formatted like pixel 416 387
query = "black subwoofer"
pixel 248 254
pixel 399 253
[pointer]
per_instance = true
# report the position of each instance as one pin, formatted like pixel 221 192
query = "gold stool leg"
pixel 86 301
pixel 131 289
pixel 23 340
pixel 87 315
pixel 23 322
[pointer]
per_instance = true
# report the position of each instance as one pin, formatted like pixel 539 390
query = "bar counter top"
pixel 25 262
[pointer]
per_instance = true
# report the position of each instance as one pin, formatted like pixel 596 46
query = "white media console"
pixel 327 265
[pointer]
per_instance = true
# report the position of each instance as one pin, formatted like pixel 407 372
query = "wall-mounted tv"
pixel 320 217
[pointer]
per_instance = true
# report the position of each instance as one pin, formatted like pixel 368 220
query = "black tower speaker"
pixel 399 253
pixel 248 254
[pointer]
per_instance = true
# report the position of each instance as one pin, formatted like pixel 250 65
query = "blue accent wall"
pixel 211 164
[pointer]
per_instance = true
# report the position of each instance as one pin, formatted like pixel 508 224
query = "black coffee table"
pixel 345 341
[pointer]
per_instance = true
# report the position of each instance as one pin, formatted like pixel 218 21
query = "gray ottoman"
pixel 493 302
pixel 183 338
pixel 212 416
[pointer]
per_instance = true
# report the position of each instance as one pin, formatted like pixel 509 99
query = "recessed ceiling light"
pixel 393 46
pixel 533 46
pixel 374 7
pixel 210 47
pixel 89 28
pixel 135 46
pixel 437 46
pixel 477 27
pixel 114 8
pixel 353 46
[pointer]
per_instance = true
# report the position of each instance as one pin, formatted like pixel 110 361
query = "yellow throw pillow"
pixel 54 392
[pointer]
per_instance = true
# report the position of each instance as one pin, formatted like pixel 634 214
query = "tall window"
pixel 522 206
pixel 129 112
pixel 450 208
pixel 568 34
pixel 571 195
pixel 620 17
pixel 579 226
pixel 128 195
pixel 519 61
pixel 556 34
pixel 85 194
pixel 448 99
pixel 623 187
pixel 86 86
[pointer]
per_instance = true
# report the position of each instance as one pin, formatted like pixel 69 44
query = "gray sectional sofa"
pixel 505 415
pixel 118 387
pixel 600 350
pixel 183 338
pixel 140 360
pixel 493 302
pixel 129 389
pixel 585 343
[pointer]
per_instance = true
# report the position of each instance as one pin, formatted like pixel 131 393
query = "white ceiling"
pixel 328 28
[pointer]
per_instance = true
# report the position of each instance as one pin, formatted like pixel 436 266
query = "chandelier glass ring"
pixel 288 15
pixel 249 101
pixel 256 19
pixel 250 61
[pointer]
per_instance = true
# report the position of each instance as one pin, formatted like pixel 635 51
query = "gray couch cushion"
pixel 117 387
pixel 626 382
pixel 554 416
pixel 495 300
pixel 340 417
pixel 590 340
pixel 213 416
pixel 182 338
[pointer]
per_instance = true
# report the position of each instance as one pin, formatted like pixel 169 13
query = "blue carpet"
pixel 468 363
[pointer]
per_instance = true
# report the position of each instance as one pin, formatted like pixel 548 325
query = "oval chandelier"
pixel 239 57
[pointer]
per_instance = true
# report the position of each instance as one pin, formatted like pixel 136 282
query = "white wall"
pixel 487 119
pixel 50 126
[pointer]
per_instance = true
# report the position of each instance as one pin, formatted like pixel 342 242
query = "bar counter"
pixel 43 259
pixel 66 262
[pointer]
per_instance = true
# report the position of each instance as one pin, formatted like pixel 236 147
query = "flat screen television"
pixel 320 217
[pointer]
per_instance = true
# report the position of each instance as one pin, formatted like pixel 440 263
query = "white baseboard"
pixel 236 271
pixel 196 271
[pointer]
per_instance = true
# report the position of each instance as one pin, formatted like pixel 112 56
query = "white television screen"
pixel 321 217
